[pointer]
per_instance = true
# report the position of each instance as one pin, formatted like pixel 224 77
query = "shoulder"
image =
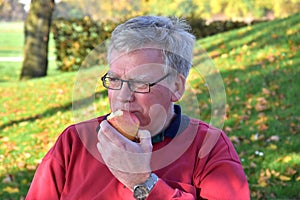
pixel 81 129
pixel 75 137
pixel 211 139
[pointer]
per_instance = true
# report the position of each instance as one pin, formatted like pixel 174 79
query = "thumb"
pixel 145 140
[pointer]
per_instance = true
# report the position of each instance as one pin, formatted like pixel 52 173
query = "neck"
pixel 170 115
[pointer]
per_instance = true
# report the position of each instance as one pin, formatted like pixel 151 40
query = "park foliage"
pixel 259 65
pixel 76 38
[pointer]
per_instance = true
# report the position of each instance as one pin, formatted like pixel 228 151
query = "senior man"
pixel 175 157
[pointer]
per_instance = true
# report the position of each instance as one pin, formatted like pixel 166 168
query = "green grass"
pixel 12 40
pixel 260 69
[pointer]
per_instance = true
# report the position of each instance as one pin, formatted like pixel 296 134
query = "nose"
pixel 125 94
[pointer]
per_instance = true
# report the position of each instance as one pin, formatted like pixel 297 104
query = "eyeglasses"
pixel 134 86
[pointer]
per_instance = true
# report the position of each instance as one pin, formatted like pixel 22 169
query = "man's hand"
pixel 128 161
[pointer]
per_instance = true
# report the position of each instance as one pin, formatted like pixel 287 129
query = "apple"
pixel 125 122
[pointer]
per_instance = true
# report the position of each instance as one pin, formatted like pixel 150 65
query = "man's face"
pixel 154 109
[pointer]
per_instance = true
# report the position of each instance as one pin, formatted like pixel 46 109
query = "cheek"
pixel 163 95
pixel 159 95
pixel 112 99
pixel 156 107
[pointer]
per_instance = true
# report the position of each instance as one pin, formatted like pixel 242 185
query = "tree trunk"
pixel 37 29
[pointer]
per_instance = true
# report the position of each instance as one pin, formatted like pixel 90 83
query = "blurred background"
pixel 254 44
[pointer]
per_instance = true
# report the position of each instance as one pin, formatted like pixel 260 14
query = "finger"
pixel 145 140
pixel 102 136
pixel 105 154
pixel 99 147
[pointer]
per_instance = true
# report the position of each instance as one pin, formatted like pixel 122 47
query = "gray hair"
pixel 171 35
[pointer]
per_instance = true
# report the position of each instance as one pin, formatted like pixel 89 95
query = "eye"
pixel 140 85
pixel 113 82
pixel 112 79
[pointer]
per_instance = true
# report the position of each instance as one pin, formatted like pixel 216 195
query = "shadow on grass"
pixel 52 111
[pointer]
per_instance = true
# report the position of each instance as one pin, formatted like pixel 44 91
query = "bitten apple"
pixel 125 122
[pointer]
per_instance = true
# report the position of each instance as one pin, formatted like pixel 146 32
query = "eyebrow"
pixel 110 73
pixel 140 77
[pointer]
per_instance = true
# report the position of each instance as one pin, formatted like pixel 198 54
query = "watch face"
pixel 140 192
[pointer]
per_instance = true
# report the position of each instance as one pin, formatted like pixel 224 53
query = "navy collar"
pixel 173 128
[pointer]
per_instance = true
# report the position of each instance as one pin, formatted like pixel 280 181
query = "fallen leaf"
pixel 8 179
pixel 274 173
pixel 272 146
pixel 268 173
pixel 290 171
pixel 228 129
pixel 287 159
pixel 235 139
pixel 274 36
pixel 10 190
pixel 253 165
pixel 274 138
pixel 261 104
pixel 262 127
pixel 284 178
pixel 266 91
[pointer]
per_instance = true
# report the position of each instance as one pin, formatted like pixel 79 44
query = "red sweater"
pixel 199 163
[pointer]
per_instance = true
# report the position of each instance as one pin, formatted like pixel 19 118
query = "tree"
pixel 37 29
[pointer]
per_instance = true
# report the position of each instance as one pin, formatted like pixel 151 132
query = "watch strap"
pixel 151 181
pixel 141 191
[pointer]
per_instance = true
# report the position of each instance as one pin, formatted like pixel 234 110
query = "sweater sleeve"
pixel 219 174
pixel 49 179
pixel 163 190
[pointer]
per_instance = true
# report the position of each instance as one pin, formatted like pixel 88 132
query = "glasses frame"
pixel 129 82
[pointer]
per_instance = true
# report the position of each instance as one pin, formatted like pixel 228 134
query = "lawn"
pixel 259 66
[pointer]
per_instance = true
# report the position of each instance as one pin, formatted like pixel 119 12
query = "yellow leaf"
pixel 272 146
pixel 298 178
pixel 254 137
pixel 268 173
pixel 284 178
pixel 10 190
pixel 289 32
pixel 262 183
pixel 24 181
pixel 287 159
pixel 274 173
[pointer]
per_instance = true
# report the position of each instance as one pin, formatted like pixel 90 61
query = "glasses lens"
pixel 112 83
pixel 139 87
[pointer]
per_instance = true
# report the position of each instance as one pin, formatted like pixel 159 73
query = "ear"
pixel 179 87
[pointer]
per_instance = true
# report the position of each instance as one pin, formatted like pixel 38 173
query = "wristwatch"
pixel 141 191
